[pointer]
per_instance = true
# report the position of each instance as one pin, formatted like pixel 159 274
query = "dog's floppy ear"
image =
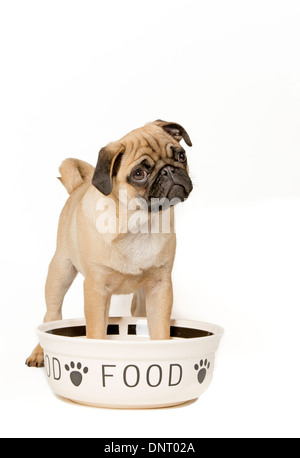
pixel 108 162
pixel 175 130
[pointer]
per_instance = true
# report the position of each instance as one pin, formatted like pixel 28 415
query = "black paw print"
pixel 76 376
pixel 203 366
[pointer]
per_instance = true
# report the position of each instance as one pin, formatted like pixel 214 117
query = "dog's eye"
pixel 180 156
pixel 140 175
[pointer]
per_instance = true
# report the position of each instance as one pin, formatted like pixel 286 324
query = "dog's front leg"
pixel 96 307
pixel 159 303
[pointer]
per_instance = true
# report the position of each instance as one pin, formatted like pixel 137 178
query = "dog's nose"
pixel 168 170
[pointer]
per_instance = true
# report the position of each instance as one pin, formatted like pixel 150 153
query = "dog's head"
pixel 149 162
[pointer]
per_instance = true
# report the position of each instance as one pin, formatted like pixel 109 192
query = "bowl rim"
pixel 216 330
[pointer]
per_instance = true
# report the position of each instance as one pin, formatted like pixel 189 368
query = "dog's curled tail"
pixel 74 173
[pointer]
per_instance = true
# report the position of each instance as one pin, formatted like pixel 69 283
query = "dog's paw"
pixel 36 359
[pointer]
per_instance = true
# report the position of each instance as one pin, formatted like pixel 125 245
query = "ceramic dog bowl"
pixel 127 370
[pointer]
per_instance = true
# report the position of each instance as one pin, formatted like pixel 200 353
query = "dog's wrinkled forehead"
pixel 146 140
pixel 155 137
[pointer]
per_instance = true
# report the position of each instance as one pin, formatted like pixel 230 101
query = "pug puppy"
pixel 148 167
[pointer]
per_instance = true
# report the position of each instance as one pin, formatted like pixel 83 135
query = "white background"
pixel 78 74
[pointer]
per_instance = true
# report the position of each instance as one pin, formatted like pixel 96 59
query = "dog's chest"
pixel 137 252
